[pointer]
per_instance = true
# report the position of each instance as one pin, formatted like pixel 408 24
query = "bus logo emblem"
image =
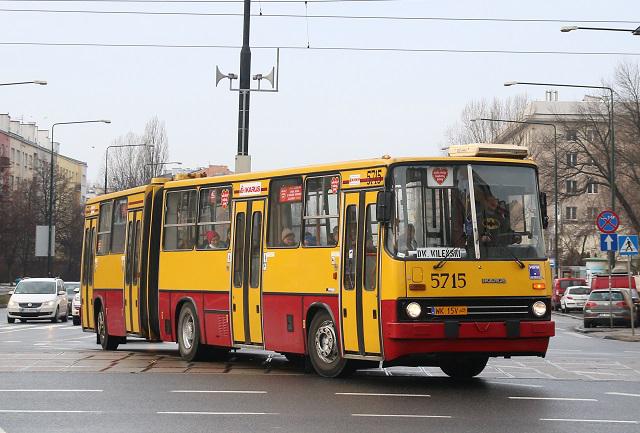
pixel 440 175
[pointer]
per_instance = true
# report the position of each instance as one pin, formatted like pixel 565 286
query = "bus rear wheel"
pixel 463 368
pixel 324 348
pixel 189 334
pixel 108 342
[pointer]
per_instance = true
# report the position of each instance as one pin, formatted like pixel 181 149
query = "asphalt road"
pixel 54 378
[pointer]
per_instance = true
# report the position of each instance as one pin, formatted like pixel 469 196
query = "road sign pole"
pixel 610 301
pixel 632 306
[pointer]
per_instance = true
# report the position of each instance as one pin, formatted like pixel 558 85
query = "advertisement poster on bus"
pixel 290 193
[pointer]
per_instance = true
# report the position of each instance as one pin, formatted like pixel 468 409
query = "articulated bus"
pixel 408 261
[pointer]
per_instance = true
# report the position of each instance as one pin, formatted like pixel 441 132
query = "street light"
pixel 51 184
pixel 566 29
pixel 106 158
pixel 612 185
pixel 555 177
pixel 40 82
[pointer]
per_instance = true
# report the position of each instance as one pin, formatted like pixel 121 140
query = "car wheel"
pixel 563 309
pixel 324 347
pixel 11 320
pixel 23 320
pixel 189 334
pixel 76 320
pixel 108 342
pixel 464 367
pixel 587 324
pixel 54 319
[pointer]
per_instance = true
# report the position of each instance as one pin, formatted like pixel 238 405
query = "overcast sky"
pixel 332 105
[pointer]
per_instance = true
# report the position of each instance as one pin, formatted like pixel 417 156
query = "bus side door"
pixel 246 281
pixel 132 271
pixel 360 315
pixel 88 268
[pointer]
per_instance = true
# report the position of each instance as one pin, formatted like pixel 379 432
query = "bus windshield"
pixel 439 208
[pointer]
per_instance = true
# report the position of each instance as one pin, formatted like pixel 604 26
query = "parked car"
pixel 598 310
pixel 38 298
pixel 76 307
pixel 560 285
pixel 574 298
pixel 70 287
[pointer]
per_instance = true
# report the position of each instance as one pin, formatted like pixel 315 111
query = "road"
pixel 54 378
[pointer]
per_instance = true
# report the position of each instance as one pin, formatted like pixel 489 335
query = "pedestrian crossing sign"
pixel 628 245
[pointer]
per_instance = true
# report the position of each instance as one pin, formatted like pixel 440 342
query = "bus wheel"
pixel 463 368
pixel 108 342
pixel 324 349
pixel 189 334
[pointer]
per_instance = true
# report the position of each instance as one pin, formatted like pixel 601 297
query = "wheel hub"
pixel 188 332
pixel 326 342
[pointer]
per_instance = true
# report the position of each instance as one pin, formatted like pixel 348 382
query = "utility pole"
pixel 243 159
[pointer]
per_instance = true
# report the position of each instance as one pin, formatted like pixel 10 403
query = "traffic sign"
pixel 607 222
pixel 628 245
pixel 608 242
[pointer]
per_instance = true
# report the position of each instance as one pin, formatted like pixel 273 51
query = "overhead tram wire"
pixel 205 1
pixel 316 16
pixel 320 48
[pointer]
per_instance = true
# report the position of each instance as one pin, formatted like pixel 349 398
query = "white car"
pixel 38 298
pixel 75 308
pixel 574 298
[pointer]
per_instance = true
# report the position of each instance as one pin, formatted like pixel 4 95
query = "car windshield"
pixel 566 283
pixel 437 209
pixel 35 287
pixel 578 290
pixel 70 287
pixel 604 296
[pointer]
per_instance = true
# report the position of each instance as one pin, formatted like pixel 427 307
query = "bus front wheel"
pixel 324 348
pixel 189 334
pixel 463 368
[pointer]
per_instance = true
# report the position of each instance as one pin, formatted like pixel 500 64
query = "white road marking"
pixel 553 398
pixel 217 413
pixel 632 351
pixel 47 411
pixel 565 350
pixel 11 341
pixel 371 394
pixel 623 394
pixel 51 390
pixel 516 384
pixel 2 431
pixel 376 415
pixel 590 420
pixel 219 392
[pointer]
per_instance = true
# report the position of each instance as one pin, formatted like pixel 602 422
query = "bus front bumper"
pixel 506 338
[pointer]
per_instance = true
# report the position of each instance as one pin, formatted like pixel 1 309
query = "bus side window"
pixel 321 211
pixel 104 228
pixel 370 248
pixel 349 254
pixel 285 213
pixel 180 220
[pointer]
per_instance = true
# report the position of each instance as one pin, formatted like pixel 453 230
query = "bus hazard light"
pixel 539 286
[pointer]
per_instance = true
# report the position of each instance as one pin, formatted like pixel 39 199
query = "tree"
pixel 134 166
pixel 466 131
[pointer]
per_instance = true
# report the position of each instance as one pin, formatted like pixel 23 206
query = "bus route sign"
pixel 607 221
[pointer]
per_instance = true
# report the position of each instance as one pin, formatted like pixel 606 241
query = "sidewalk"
pixel 617 333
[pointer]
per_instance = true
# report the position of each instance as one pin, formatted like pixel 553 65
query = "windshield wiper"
pixel 517 260
pixel 444 259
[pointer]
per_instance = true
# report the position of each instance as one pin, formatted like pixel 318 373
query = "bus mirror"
pixel 543 209
pixel 384 206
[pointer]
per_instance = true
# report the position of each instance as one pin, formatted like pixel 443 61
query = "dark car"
pixel 600 308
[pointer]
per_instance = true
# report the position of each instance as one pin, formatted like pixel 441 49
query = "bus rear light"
pixel 417 287
pixel 539 286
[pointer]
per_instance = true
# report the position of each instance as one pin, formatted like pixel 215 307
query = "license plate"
pixel 27 310
pixel 603 315
pixel 450 311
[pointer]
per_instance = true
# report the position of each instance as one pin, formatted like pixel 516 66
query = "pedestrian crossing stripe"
pixel 628 245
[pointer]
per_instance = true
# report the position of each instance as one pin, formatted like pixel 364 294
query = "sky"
pixel 332 105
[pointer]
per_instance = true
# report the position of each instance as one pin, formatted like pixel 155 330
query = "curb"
pixel 601 334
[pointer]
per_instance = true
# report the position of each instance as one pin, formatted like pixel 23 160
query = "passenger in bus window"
pixel 493 220
pixel 309 240
pixel 213 240
pixel 407 240
pixel 333 237
pixel 288 238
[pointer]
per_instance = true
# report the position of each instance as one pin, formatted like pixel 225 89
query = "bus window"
pixel 256 253
pixel 370 248
pixel 321 212
pixel 118 226
pixel 214 220
pixel 104 230
pixel 238 251
pixel 285 213
pixel 179 220
pixel 350 240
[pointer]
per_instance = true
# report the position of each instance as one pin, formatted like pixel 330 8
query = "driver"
pixel 493 220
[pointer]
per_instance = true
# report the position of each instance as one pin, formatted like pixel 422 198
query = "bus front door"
pixel 246 282
pixel 359 308
pixel 88 268
pixel 132 272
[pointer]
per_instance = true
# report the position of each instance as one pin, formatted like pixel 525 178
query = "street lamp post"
pixel 555 178
pixel 106 158
pixel 40 82
pixel 50 219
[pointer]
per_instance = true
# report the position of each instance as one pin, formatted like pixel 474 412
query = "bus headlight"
pixel 414 310
pixel 539 308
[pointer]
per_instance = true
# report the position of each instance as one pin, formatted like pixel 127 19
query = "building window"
pixel 592 213
pixel 321 211
pixel 571 186
pixel 592 187
pixel 572 159
pixel 571 213
pixel 571 135
pixel 285 213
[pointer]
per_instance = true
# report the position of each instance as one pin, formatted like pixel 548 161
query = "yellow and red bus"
pixel 389 261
